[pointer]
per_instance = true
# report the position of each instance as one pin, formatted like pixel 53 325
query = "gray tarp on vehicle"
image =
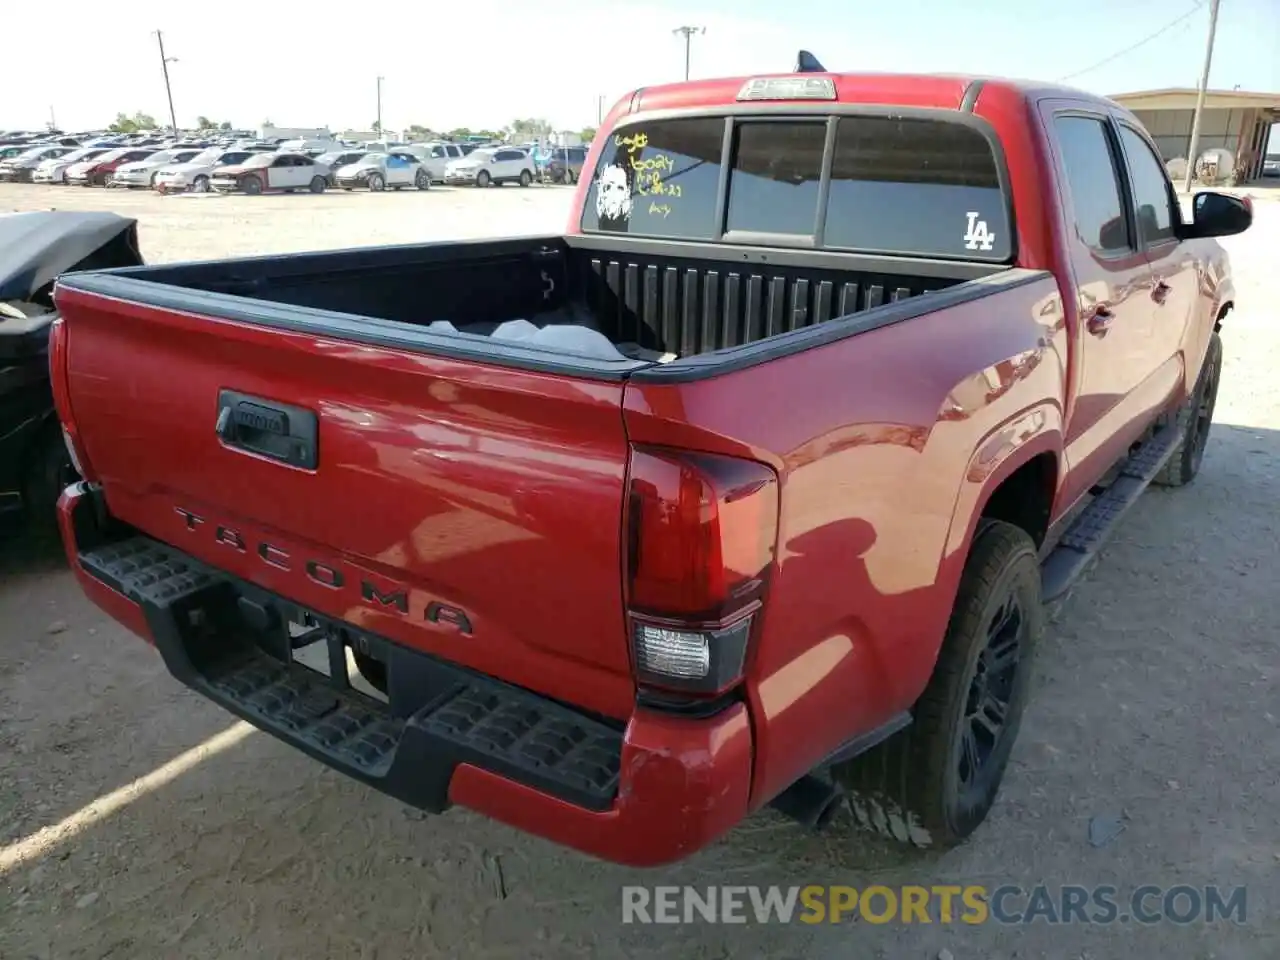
pixel 36 247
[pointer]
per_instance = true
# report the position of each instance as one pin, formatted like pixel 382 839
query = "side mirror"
pixel 1218 215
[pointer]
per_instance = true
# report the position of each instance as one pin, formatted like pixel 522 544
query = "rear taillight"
pixel 701 535
pixel 62 397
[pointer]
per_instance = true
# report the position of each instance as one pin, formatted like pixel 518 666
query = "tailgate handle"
pixel 277 431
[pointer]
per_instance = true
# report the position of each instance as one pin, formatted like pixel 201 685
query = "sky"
pixel 445 66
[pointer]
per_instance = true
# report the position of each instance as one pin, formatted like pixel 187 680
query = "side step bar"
pixel 1078 547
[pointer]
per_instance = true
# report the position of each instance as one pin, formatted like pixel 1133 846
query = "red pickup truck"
pixel 749 489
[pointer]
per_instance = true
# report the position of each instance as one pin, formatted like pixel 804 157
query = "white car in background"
pixel 491 165
pixel 194 175
pixel 142 173
pixel 436 157
pixel 377 171
pixel 270 172
pixel 55 170
pixel 22 167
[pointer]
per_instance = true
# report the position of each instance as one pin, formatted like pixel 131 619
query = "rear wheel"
pixel 252 185
pixel 1193 421
pixel 935 782
pixel 376 183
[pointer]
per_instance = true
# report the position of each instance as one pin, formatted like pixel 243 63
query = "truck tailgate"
pixel 469 511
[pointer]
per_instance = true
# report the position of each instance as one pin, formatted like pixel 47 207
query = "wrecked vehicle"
pixel 34 249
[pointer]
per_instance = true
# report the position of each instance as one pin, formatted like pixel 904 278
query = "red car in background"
pixel 97 172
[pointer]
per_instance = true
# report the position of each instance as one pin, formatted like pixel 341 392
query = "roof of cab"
pixel 937 91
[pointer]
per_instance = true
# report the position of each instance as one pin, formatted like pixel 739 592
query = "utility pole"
pixel 53 121
pixel 168 90
pixel 1194 152
pixel 688 33
pixel 379 107
pixel 599 110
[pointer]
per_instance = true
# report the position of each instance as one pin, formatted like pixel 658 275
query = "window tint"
pixel 282 162
pixel 1094 185
pixel 437 151
pixel 918 187
pixel 1150 188
pixel 658 180
pixel 774 184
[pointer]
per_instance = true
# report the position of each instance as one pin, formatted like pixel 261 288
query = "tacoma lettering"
pixel 319 572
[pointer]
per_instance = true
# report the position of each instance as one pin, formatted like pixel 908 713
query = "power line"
pixel 1141 43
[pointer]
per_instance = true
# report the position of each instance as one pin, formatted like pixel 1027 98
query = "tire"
pixel 483 179
pixel 526 178
pixel 375 671
pixel 153 179
pixel 422 180
pixel 1193 421
pixel 376 183
pixel 318 184
pixel 200 184
pixel 252 185
pixel 568 177
pixel 921 786
pixel 48 473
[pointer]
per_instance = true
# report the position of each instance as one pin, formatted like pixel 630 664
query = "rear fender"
pixel 1002 452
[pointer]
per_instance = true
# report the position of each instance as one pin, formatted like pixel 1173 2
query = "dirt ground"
pixel 1155 702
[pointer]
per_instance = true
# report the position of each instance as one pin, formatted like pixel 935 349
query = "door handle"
pixel 1160 292
pixel 277 431
pixel 1100 320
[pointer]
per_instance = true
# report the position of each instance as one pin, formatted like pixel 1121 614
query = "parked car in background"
pixel 21 168
pixel 54 171
pixel 491 165
pixel 96 172
pixel 263 172
pixel 142 173
pixel 1271 165
pixel 335 160
pixel 377 171
pixel 193 174
pixel 437 156
pixel 565 165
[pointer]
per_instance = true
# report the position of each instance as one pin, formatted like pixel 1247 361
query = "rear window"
pixel 906 185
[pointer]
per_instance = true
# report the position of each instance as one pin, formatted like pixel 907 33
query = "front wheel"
pixel 934 782
pixel 422 180
pixel 318 183
pixel 251 185
pixel 483 179
pixel 201 184
pixel 376 183
pixel 526 178
pixel 1193 421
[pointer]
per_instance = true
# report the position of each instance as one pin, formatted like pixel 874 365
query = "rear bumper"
pixel 647 794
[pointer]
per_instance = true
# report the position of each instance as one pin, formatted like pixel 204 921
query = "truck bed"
pixel 650 299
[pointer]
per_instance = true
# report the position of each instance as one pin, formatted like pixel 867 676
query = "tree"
pixel 132 124
pixel 529 128
pixel 417 131
pixel 460 133
pixel 376 127
pixel 225 125
pixel 587 134
pixel 204 123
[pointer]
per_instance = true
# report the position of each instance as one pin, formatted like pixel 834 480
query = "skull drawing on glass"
pixel 613 198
